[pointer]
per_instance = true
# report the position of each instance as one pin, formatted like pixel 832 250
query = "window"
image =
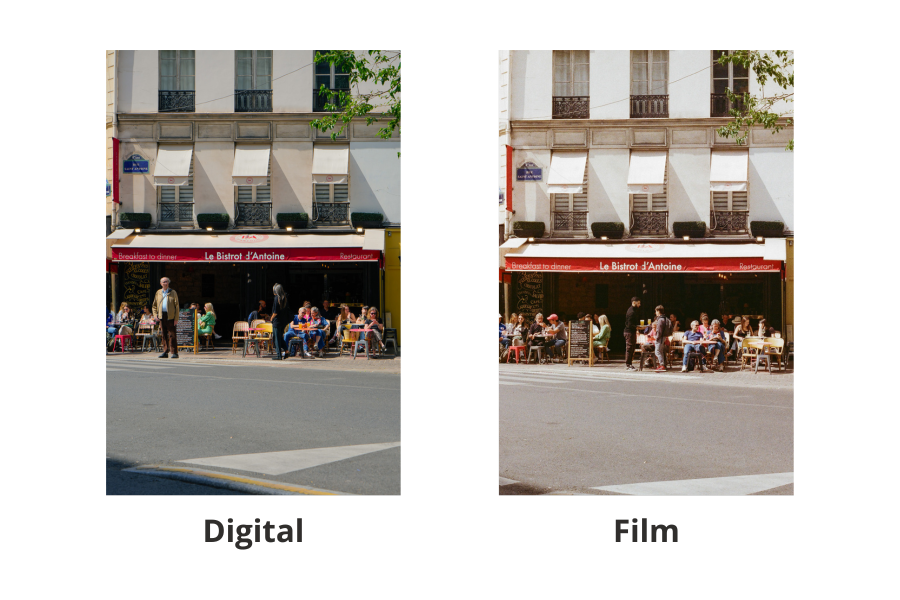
pixel 570 211
pixel 176 202
pixel 649 84
pixel 571 73
pixel 332 77
pixel 332 203
pixel 729 212
pixel 254 202
pixel 252 81
pixel 649 212
pixel 176 70
pixel 731 76
pixel 176 81
pixel 253 69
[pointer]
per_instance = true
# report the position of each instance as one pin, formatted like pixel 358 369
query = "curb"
pixel 226 481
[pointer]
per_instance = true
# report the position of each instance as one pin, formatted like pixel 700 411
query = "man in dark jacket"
pixel 631 323
pixel 662 331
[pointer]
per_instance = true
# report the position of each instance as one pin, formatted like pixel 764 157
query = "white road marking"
pixel 511 383
pixel 279 463
pixel 716 486
pixel 132 366
pixel 505 481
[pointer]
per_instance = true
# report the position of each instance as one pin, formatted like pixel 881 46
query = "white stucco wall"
pixel 531 85
pixel 770 190
pixel 688 189
pixel 136 190
pixel 531 202
pixel 292 93
pixel 610 84
pixel 214 81
pixel 689 98
pixel 138 81
pixel 608 185
pixel 213 190
pixel 292 177
pixel 375 178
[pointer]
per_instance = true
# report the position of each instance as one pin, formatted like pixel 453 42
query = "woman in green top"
pixel 208 320
pixel 602 338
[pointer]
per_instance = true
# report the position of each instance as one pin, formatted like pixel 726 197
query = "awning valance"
pixel 728 171
pixel 566 173
pixel 647 172
pixel 646 258
pixel 251 165
pixel 251 247
pixel 330 164
pixel 173 165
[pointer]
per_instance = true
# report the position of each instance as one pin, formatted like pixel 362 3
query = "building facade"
pixel 226 188
pixel 618 185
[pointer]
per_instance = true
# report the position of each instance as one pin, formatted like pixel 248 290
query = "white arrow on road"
pixel 279 463
pixel 714 486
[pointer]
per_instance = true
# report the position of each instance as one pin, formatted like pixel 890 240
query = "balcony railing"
pixel 650 107
pixel 176 211
pixel 254 213
pixel 252 100
pixel 729 221
pixel 719 106
pixel 569 220
pixel 176 100
pixel 571 107
pixel 319 101
pixel 653 222
pixel 331 213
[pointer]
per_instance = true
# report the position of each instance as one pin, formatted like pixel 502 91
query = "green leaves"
pixel 381 101
pixel 758 110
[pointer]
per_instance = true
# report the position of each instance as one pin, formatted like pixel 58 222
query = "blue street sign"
pixel 529 172
pixel 136 164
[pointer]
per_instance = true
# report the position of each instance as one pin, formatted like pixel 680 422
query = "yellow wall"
pixel 437 305
pixel 789 290
pixel 843 289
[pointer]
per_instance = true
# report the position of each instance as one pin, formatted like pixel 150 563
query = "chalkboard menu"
pixel 136 283
pixel 580 342
pixel 529 294
pixel 186 328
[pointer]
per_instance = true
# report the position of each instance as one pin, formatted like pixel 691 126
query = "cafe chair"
pixel 602 353
pixel 239 332
pixel 747 353
pixel 148 331
pixel 538 351
pixel 675 346
pixel 775 351
pixel 390 337
pixel 208 339
pixel 362 341
pixel 518 351
pixel 256 323
pixel 263 338
pixel 121 340
pixel 347 339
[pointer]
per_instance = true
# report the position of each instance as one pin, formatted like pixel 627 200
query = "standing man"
pixel 165 308
pixel 631 322
pixel 662 336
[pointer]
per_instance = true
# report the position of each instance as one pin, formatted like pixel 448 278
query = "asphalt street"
pixel 576 429
pixel 282 423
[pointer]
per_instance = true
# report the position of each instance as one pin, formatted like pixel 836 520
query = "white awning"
pixel 374 240
pixel 566 173
pixel 251 165
pixel 647 172
pixel 728 171
pixel 173 165
pixel 330 164
pixel 120 234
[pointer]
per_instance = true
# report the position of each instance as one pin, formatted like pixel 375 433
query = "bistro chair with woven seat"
pixel 675 346
pixel 747 353
pixel 262 338
pixel 256 323
pixel 775 351
pixel 239 332
pixel 347 339
pixel 148 331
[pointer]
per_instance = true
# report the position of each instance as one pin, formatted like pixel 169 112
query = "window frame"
pixel 570 203
pixel 178 201
pixel 178 59
pixel 570 81
pixel 254 189
pixel 712 203
pixel 649 81
pixel 331 199
pixel 254 58
pixel 729 79
pixel 331 74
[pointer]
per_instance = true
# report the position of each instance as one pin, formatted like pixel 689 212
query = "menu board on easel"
pixel 186 330
pixel 580 342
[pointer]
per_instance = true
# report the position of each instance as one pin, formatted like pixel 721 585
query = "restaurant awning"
pixel 647 172
pixel 566 172
pixel 728 171
pixel 251 165
pixel 649 258
pixel 330 164
pixel 374 240
pixel 248 247
pixel 173 165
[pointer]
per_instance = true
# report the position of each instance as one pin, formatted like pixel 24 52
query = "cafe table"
pixel 760 344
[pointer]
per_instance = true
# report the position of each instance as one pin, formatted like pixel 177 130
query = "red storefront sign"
pixel 644 265
pixel 243 255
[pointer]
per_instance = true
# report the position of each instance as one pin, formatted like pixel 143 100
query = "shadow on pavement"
pixel 121 483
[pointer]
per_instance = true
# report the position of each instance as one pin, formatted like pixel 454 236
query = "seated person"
pixel 315 334
pixel 558 331
pixel 300 320
pixel 704 324
pixel 377 328
pixel 208 320
pixel 519 331
pixel 676 324
pixel 363 314
pixel 341 321
pixel 764 329
pixel 601 334
pixel 693 335
pixel 503 338
pixel 259 313
pixel 536 328
pixel 147 316
pixel 742 329
pixel 718 335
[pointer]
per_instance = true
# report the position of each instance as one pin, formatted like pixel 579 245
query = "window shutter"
pixel 639 201
pixel 739 201
pixel 560 202
pixel 580 201
pixel 322 194
pixel 720 200
pixel 341 192
pixel 167 193
pixel 186 191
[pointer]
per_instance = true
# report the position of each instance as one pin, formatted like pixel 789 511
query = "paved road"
pixel 287 425
pixel 605 431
